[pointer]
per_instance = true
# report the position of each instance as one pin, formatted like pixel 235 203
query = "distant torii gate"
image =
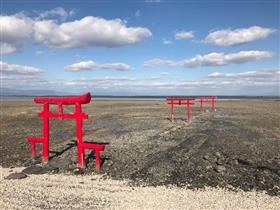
pixel 180 101
pixel 78 115
pixel 207 99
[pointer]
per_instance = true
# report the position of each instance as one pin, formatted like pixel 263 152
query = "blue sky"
pixel 152 47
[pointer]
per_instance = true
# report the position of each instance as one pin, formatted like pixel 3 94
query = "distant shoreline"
pixel 30 98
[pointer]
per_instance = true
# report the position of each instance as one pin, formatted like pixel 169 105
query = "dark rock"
pixel 16 176
pixel 51 169
pixel 34 170
pixel 219 162
pixel 78 171
pixel 244 162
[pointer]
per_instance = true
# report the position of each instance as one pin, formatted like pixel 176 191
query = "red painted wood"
pixel 83 99
pixel 78 115
pixel 180 101
pixel 208 99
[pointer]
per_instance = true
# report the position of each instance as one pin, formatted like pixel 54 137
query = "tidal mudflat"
pixel 236 148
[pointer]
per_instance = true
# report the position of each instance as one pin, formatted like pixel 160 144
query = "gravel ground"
pixel 222 160
pixel 64 191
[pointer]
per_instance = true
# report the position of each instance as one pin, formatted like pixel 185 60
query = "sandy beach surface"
pixel 63 191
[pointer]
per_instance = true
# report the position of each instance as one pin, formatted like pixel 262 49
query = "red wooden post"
pixel 183 114
pixel 33 150
pixel 189 112
pixel 201 108
pixel 213 104
pixel 97 160
pixel 172 110
pixel 79 133
pixel 45 146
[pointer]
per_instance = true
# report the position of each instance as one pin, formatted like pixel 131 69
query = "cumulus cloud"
pixel 249 78
pixel 14 32
pixel 249 82
pixel 228 37
pixel 91 65
pixel 264 74
pixel 58 11
pixel 106 79
pixel 87 32
pixel 161 62
pixel 18 69
pixel 183 35
pixel 212 59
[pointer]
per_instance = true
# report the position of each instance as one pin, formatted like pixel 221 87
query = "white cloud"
pixel 212 59
pixel 183 35
pixel 263 74
pixel 91 65
pixel 58 11
pixel 250 82
pixel 106 79
pixel 164 73
pixel 87 32
pixel 228 37
pixel 137 14
pixel 166 41
pixel 18 69
pixel 14 32
pixel 153 1
pixel 158 61
pixel 249 78
pixel 39 52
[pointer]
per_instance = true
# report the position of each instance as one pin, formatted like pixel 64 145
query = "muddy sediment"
pixel 237 147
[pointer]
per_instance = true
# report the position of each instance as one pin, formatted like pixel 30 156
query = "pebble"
pixel 206 157
pixel 165 133
pixel 219 162
pixel 209 167
pixel 16 176
pixel 220 169
pixel 210 158
pixel 78 171
pixel 218 154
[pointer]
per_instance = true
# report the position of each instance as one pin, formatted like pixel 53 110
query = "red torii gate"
pixel 208 99
pixel 180 101
pixel 78 115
